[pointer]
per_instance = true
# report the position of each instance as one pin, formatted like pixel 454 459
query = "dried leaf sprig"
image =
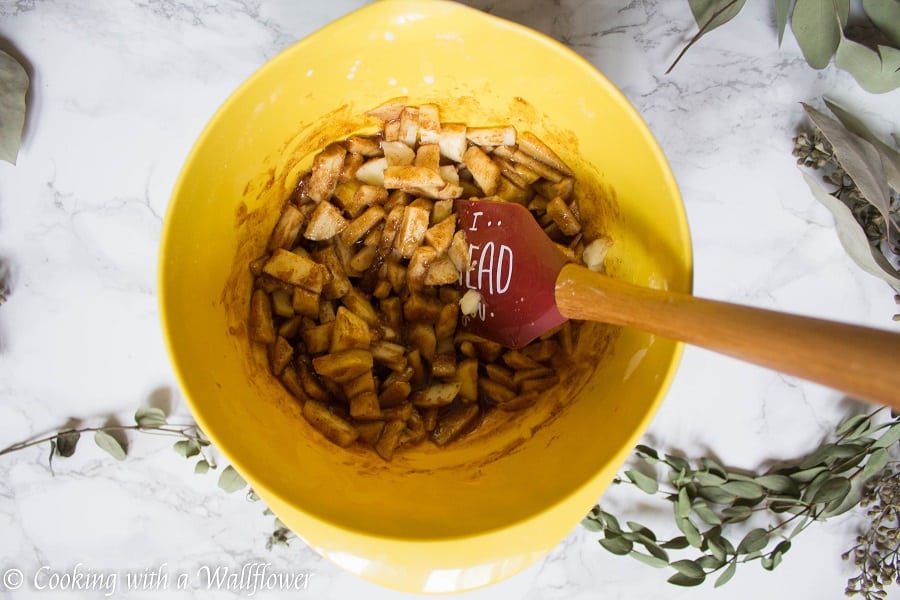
pixel 190 443
pixel 824 33
pixel 865 173
pixel 712 505
pixel 877 552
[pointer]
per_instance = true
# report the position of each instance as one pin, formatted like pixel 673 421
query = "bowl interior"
pixel 540 469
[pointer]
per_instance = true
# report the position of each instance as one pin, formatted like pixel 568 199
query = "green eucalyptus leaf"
pixel 736 514
pixel 877 461
pixel 707 478
pixel 706 514
pixel 690 531
pixel 657 551
pixel 647 452
pixel 890 158
pixel 888 439
pixel 648 559
pixel 591 524
pixel 850 423
pixel 715 548
pixel 150 416
pixel 847 463
pixel 853 238
pixel 816 29
pixel 885 14
pixel 744 489
pixel 677 478
pixel 714 467
pixel 833 489
pixel 754 541
pixel 230 480
pixel 13 89
pixel 617 545
pixel 767 563
pixel 849 502
pixel 781 484
pixel 201 467
pixel 677 463
pixel 782 11
pixel 711 563
pixel 808 474
pixel 186 448
pixel 685 581
pixel 610 521
pixel 641 530
pixel 727 574
pixel 858 157
pixel 643 482
pixel 800 526
pixel 682 504
pixel 716 495
pixel 689 568
pixel 66 442
pixel 676 543
pixel 814 485
pixel 739 477
pixel 710 14
pixel 874 71
pixel 110 445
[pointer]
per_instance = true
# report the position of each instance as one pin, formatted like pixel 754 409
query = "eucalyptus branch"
pixel 707 26
pixel 170 429
pixel 190 442
pixel 709 502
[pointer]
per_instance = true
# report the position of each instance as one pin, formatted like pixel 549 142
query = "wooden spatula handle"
pixel 860 361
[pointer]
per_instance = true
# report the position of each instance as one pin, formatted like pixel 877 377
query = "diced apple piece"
pixel 429 124
pixel 483 169
pixel 440 236
pixel 297 270
pixel 329 424
pixel 412 230
pixel 260 326
pixel 287 229
pixel 398 153
pixel 344 365
pixel 326 171
pixel 437 394
pixel 453 423
pixel 349 331
pixel 452 141
pixel 492 136
pixel 371 172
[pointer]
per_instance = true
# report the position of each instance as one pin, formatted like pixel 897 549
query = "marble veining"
pixel 120 90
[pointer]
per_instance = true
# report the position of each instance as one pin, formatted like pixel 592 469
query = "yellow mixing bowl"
pixel 489 505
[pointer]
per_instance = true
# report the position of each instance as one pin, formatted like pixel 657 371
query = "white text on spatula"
pixel 491 264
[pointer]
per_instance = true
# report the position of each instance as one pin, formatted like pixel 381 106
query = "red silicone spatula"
pixel 527 288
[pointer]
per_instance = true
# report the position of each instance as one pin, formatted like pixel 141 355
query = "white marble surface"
pixel 120 90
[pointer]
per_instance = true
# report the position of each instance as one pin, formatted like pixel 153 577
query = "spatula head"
pixel 514 266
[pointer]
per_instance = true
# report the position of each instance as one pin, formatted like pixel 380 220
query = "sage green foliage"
pixel 865 174
pixel 727 517
pixel 191 441
pixel 822 30
pixel 13 89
